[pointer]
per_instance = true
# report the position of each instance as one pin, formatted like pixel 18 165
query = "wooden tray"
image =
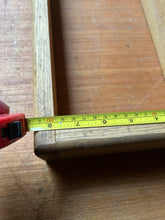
pixel 96 57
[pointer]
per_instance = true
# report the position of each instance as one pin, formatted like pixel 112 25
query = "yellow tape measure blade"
pixel 95 120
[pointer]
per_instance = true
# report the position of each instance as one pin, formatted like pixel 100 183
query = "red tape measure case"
pixel 12 128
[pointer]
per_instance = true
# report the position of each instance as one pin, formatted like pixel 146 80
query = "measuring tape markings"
pixel 95 120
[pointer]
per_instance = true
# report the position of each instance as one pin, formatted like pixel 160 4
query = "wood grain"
pixel 43 91
pixel 75 143
pixel 154 11
pixel 44 83
pixel 103 51
pixel 122 187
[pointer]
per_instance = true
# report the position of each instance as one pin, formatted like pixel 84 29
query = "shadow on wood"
pixel 121 178
pixel 119 165
pixel 59 58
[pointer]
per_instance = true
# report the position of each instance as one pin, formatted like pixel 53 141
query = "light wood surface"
pixel 124 187
pixel 101 57
pixel 154 12
pixel 45 103
pixel 43 91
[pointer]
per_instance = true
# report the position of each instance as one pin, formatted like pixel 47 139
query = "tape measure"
pixel 95 120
